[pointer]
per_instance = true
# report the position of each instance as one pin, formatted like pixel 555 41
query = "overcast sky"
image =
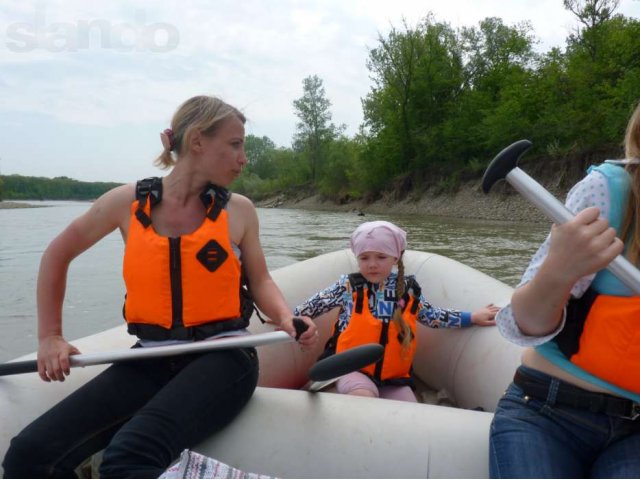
pixel 90 107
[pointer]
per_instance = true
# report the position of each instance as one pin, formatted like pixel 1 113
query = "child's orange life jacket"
pixel 364 328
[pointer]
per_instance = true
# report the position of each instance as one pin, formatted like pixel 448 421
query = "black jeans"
pixel 142 413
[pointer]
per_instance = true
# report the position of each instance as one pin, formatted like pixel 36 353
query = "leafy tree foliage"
pixel 260 153
pixel 18 187
pixel 314 129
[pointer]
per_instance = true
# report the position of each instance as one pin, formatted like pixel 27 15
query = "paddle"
pixel 504 166
pixel 328 370
pixel 86 359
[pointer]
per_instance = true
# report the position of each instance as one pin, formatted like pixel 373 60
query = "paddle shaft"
pixel 115 356
pixel 556 211
pixel 323 373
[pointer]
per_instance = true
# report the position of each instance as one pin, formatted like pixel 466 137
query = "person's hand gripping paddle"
pixel 505 166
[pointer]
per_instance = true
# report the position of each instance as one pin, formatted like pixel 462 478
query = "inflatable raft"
pixel 287 432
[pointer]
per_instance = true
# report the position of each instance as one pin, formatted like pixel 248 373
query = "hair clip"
pixel 167 139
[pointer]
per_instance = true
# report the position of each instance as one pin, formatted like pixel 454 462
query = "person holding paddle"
pixel 187 242
pixel 573 409
pixel 377 305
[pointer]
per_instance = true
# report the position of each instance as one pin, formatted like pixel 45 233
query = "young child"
pixel 381 306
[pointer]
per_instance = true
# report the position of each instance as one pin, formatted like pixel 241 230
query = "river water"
pixel 95 289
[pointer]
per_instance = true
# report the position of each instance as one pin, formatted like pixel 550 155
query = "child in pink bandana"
pixel 380 305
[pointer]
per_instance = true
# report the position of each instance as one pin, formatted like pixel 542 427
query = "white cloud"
pixel 89 94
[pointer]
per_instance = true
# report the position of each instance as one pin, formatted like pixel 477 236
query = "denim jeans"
pixel 532 438
pixel 142 413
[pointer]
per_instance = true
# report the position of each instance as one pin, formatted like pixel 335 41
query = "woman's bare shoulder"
pixel 241 204
pixel 113 206
pixel 118 196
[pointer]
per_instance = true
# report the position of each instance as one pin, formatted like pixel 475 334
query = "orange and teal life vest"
pixel 600 342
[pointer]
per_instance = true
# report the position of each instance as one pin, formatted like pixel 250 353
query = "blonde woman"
pixel 186 238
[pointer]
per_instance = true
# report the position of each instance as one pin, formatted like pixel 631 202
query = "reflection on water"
pixel 95 289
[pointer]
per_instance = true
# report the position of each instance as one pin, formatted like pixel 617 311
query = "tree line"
pixel 444 101
pixel 18 187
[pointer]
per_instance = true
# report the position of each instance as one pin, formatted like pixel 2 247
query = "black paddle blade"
pixel 346 362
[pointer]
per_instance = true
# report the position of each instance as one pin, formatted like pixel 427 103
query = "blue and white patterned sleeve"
pixel 591 191
pixel 323 301
pixel 436 317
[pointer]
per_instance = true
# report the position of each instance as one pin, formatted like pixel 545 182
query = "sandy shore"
pixel 5 205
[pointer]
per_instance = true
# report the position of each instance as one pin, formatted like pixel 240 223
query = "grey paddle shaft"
pixel 256 340
pixel 504 165
pixel 114 356
pixel 98 358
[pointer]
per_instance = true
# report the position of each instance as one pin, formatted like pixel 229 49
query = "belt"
pixel 571 396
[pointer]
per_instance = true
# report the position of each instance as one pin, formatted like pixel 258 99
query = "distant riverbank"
pixel 5 205
pixel 503 204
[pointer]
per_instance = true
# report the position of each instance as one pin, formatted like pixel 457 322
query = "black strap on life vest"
pixel 200 332
pixel 147 189
pixel 358 282
pixel 412 289
pixel 150 189
pixel 568 339
pixel 216 198
pixel 247 304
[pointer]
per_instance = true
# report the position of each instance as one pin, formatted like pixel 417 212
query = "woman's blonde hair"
pixel 630 225
pixel 398 319
pixel 202 114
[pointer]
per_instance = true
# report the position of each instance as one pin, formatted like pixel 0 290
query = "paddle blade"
pixel 346 362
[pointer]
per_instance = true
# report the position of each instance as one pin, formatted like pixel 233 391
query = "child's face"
pixel 375 266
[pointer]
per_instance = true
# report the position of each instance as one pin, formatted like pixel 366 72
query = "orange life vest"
pixel 184 287
pixel 395 365
pixel 607 342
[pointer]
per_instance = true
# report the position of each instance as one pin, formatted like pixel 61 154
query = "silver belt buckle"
pixel 635 411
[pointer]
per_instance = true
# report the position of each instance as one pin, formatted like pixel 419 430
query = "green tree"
pixel 499 68
pixel 260 154
pixel 417 80
pixel 591 14
pixel 602 67
pixel 314 128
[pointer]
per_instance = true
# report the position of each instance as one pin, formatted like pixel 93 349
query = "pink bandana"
pixel 379 236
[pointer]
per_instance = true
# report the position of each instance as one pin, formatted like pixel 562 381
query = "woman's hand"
pixel 485 317
pixel 53 358
pixel 582 246
pixel 308 338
